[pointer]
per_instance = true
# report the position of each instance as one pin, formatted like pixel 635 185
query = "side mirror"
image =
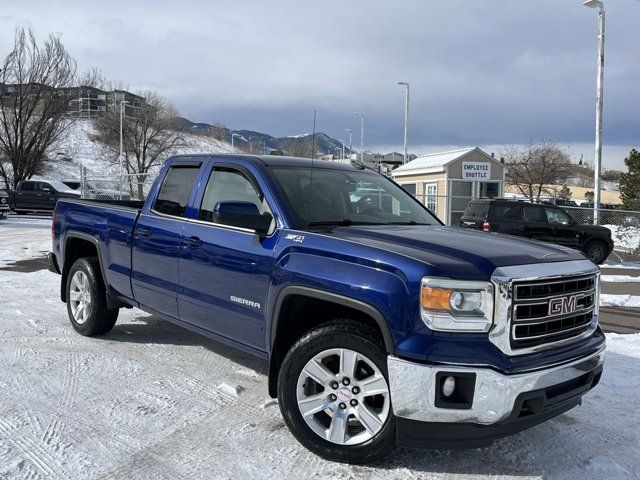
pixel 242 215
pixel 46 189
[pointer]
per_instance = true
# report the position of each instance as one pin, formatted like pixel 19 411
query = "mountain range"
pixel 257 142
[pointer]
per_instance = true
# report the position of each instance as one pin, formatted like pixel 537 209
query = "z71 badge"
pixel 295 238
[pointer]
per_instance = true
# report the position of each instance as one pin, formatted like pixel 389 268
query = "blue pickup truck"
pixel 381 326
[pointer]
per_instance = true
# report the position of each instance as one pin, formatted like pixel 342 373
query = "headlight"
pixel 456 305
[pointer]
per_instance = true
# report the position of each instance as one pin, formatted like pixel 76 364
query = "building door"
pixel 461 195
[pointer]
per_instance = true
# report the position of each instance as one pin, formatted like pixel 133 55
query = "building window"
pixel 410 188
pixel 431 195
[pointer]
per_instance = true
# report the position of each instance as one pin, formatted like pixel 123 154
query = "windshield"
pixel 348 198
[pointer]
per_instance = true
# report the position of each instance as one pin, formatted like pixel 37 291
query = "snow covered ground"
pixel 152 400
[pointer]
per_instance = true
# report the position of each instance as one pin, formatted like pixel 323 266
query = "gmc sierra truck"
pixel 381 326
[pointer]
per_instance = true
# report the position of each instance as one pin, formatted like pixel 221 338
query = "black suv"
pixel 547 223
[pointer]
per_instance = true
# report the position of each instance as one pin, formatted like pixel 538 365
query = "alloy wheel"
pixel 343 396
pixel 80 297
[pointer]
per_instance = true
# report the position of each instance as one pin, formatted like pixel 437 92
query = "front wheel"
pixel 87 299
pixel 596 251
pixel 334 393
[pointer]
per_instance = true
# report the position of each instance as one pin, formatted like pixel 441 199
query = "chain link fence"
pixel 116 187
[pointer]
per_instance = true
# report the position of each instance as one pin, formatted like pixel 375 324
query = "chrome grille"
pixel 546 311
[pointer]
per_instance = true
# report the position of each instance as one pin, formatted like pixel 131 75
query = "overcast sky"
pixel 483 73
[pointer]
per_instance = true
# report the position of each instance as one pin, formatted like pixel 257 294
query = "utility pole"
pixel 361 115
pixel 233 135
pixel 348 130
pixel 120 157
pixel 599 94
pixel 406 120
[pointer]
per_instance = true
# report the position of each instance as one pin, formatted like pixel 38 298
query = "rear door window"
pixel 27 186
pixel 532 213
pixel 555 215
pixel 175 190
pixel 505 212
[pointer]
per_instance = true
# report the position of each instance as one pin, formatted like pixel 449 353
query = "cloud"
pixel 480 72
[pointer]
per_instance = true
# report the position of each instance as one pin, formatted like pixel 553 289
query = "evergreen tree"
pixel 565 193
pixel 630 182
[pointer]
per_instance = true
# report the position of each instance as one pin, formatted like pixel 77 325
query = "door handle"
pixel 192 242
pixel 144 231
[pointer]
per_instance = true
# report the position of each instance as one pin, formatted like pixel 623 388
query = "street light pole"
pixel 233 135
pixel 599 94
pixel 406 119
pixel 348 130
pixel 361 115
pixel 120 157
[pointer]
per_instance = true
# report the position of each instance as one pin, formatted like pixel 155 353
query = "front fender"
pixel 380 293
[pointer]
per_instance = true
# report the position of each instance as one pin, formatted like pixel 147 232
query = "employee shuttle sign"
pixel 476 171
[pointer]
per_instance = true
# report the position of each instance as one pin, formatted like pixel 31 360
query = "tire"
pixel 330 408
pixel 87 299
pixel 596 251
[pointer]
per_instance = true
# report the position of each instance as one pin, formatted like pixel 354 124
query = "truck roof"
pixel 281 161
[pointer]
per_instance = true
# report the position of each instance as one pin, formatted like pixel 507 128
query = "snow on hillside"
pixel 78 149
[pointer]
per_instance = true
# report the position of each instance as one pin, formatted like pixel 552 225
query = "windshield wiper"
pixel 409 222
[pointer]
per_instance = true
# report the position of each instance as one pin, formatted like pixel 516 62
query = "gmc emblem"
pixel 562 305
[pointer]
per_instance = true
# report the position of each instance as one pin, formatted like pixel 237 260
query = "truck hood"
pixel 457 252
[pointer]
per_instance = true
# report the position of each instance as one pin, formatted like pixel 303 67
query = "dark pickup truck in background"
pixel 543 222
pixel 38 195
pixel 380 325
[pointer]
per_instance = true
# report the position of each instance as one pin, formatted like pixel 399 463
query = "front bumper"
pixel 499 404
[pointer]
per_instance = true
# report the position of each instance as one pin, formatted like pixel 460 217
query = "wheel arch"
pixel 81 245
pixel 281 339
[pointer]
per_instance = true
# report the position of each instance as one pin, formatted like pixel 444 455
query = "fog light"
pixel 448 386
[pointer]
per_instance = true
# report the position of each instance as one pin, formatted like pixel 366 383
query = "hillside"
pixel 78 149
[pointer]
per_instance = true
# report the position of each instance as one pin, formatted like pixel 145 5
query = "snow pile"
pixel 609 300
pixel 619 279
pixel 627 237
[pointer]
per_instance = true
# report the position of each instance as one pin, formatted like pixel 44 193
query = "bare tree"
pixel 93 78
pixel 33 108
pixel 150 135
pixel 219 131
pixel 535 166
pixel 300 147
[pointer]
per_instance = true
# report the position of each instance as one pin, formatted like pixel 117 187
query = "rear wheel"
pixel 87 299
pixel 596 251
pixel 334 393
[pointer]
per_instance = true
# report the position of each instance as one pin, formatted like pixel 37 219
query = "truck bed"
pixel 109 225
pixel 135 204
